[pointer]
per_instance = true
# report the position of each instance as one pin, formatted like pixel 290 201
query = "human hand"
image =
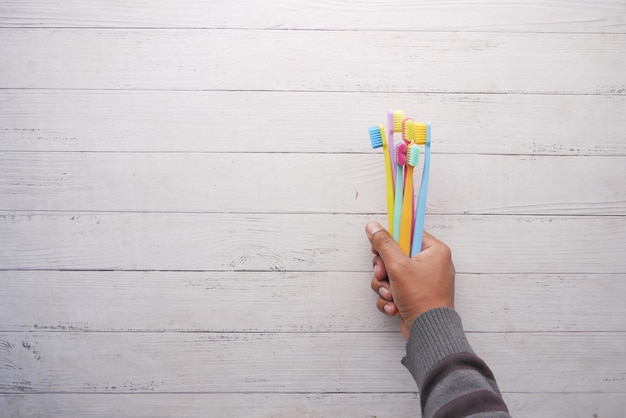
pixel 407 286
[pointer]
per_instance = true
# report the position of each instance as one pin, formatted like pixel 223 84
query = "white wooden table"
pixel 184 186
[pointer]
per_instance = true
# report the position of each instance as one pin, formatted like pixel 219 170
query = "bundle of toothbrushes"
pixel 406 223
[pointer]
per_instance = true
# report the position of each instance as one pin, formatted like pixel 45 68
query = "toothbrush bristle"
pixel 398 117
pixel 406 124
pixel 412 155
pixel 414 132
pixel 419 133
pixel 375 137
pixel 401 153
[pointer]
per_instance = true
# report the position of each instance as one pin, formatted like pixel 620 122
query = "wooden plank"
pixel 186 342
pixel 313 61
pixel 309 183
pixel 574 405
pixel 233 121
pixel 292 302
pixel 255 405
pixel 292 362
pixel 537 302
pixel 213 241
pixel 494 15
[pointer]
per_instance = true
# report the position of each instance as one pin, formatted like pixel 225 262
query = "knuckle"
pixel 444 250
pixel 447 251
pixel 380 304
pixel 383 240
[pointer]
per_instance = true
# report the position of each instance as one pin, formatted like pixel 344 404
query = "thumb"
pixel 382 242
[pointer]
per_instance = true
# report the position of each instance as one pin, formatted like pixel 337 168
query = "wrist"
pixel 434 335
pixel 415 313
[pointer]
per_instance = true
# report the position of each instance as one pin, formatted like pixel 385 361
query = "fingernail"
pixel 388 309
pixel 372 227
pixel 384 292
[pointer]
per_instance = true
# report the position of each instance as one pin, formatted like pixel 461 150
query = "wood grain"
pixel 421 15
pixel 313 61
pixel 305 183
pixel 308 122
pixel 292 302
pixel 292 362
pixel 278 405
pixel 208 241
pixel 183 191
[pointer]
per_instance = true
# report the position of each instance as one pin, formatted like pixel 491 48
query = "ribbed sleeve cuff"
pixel 434 335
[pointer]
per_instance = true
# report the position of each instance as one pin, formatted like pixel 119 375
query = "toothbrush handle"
pixel 389 186
pixel 418 232
pixel 406 226
pixel 391 144
pixel 397 210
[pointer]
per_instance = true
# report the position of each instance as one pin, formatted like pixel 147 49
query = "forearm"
pixel 451 379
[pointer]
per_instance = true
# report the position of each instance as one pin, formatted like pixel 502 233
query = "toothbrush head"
pixel 415 132
pixel 376 137
pixel 398 117
pixel 412 154
pixel 401 153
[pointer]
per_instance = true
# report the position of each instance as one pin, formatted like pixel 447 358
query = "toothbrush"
pixel 379 139
pixel 408 132
pixel 422 137
pixel 406 226
pixel 397 210
pixel 394 124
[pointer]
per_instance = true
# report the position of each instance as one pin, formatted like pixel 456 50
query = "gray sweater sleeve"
pixel 452 380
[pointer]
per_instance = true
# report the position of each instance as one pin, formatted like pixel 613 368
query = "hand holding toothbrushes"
pixel 413 271
pixel 406 225
pixel 414 280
